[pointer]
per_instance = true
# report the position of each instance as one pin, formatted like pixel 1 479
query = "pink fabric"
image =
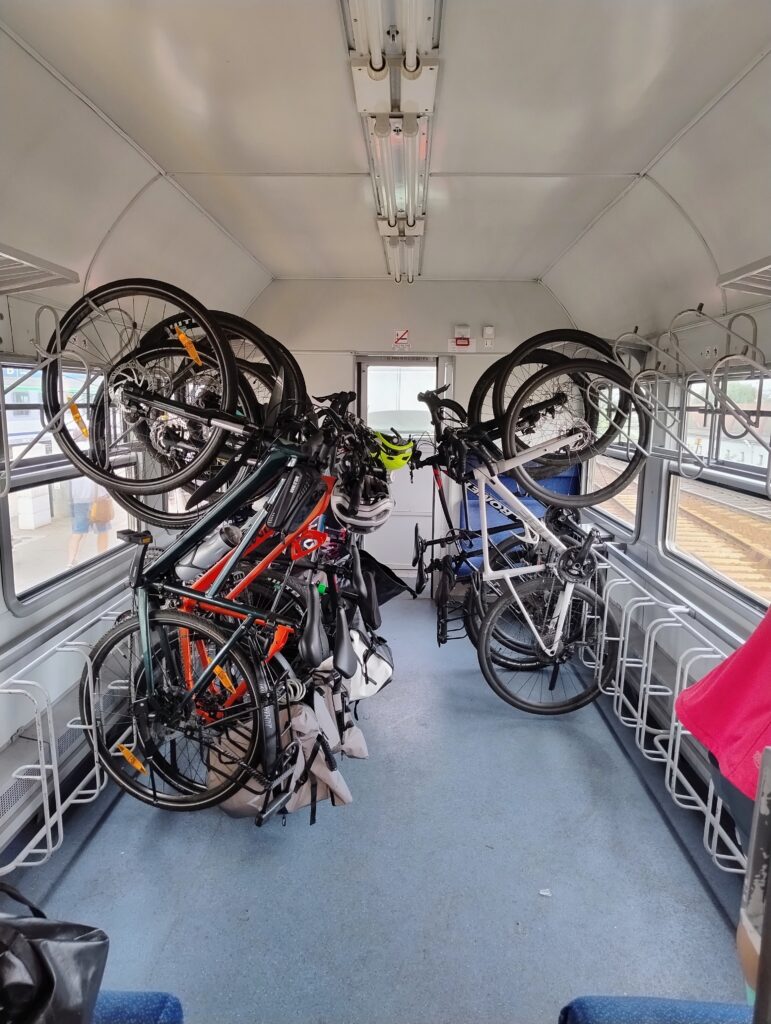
pixel 729 710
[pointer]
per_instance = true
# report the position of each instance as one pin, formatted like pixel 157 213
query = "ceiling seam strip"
pixel 696 230
pixel 81 96
pixel 585 230
pixel 137 195
pixel 729 88
pixel 534 174
pixel 662 152
pixel 559 301
pixel 269 174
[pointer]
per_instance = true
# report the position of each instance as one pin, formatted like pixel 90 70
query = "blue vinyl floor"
pixel 421 902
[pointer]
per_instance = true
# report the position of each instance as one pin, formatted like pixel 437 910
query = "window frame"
pixel 667 530
pixel 631 533
pixel 38 471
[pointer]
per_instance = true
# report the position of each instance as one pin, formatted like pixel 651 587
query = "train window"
pixel 728 441
pixel 724 531
pixel 622 507
pixel 57 526
pixel 58 519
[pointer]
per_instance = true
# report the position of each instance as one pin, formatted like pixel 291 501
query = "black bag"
pixel 50 971
pixel 387 584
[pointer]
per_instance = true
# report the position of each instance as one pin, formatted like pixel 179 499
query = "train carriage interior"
pixel 385 511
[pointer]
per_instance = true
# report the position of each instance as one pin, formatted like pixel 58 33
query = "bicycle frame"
pixel 487 481
pixel 209 584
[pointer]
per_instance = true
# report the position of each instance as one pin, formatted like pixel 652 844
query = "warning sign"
pixel 402 340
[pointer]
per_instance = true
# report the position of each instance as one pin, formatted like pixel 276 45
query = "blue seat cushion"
pixel 137 1008
pixel 643 1010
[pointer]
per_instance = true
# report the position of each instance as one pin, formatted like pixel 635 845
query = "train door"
pixel 388 389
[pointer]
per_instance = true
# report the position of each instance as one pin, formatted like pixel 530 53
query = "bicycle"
pixel 543 622
pixel 197 694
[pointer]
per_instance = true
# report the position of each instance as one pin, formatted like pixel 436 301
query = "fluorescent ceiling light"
pixel 383 161
pixel 411 142
pixel 408 26
pixel 393 258
pixel 367 25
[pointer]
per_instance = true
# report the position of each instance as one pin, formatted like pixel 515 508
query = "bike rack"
pixel 675 386
pixel 42 360
pixel 654 610
pixel 45 771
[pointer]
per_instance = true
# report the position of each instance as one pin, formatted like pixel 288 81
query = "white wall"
pixel 341 318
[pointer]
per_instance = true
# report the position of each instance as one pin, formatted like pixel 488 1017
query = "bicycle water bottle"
pixel 209 551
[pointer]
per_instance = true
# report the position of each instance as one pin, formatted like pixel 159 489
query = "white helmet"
pixel 375 505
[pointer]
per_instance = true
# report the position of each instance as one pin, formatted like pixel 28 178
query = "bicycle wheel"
pixel 97 350
pixel 170 510
pixel 482 594
pixel 480 403
pixel 564 343
pixel 251 345
pixel 518 670
pixel 588 404
pixel 173 756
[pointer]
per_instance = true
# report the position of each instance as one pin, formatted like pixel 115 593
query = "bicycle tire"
pixel 257 714
pixel 93 463
pixel 525 474
pixel 524 353
pixel 249 406
pixel 535 667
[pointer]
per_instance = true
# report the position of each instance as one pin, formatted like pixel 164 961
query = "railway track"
pixel 729 540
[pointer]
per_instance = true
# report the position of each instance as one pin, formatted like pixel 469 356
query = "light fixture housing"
pixel 753 277
pixel 399 152
pixel 21 272
pixel 403 248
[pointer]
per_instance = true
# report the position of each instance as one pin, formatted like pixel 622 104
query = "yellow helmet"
pixel 393 454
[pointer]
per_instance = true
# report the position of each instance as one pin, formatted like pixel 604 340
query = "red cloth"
pixel 729 710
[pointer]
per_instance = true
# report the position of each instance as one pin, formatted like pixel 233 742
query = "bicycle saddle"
pixel 313 646
pixel 345 660
pixel 370 608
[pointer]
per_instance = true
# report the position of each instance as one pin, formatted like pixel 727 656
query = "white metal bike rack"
pixel 647 612
pixel 45 771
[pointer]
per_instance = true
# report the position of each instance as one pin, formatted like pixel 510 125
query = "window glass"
pixel 724 531
pixel 59 525
pixel 56 525
pixel 24 407
pixel 731 442
pixel 622 507
pixel 392 397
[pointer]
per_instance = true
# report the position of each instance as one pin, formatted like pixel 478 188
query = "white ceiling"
pixel 504 228
pixel 545 112
pixel 577 86
pixel 300 226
